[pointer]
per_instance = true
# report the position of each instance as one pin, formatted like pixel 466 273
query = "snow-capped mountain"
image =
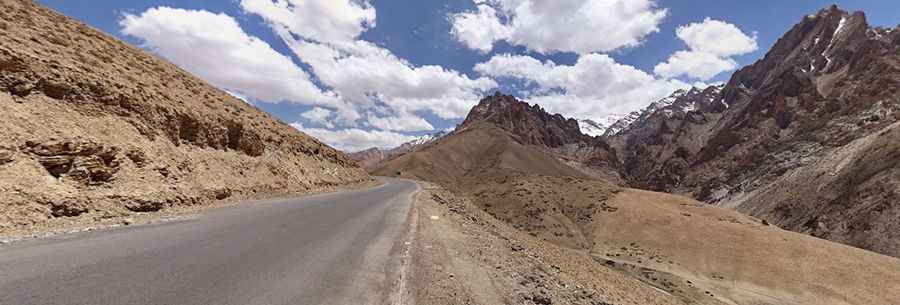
pixel 614 124
pixel 425 139
pixel 422 140
pixel 599 127
pixel 373 156
pixel 622 124
pixel 681 101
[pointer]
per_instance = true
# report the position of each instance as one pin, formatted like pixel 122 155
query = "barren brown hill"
pixel 688 247
pixel 95 129
pixel 369 158
pixel 552 133
pixel 480 150
pixel 806 137
pixel 484 161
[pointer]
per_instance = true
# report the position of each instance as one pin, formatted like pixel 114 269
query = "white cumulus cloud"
pixel 711 46
pixel 320 116
pixel 214 47
pixel 479 30
pixel 370 77
pixel 330 21
pixel 581 26
pixel 400 122
pixel 355 139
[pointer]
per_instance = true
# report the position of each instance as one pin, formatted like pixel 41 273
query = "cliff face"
pixel 655 144
pixel 93 127
pixel 802 138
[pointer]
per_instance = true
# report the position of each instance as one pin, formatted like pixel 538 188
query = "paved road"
pixel 324 249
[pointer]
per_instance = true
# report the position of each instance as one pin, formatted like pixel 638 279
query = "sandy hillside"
pixel 481 151
pixel 737 258
pixel 95 129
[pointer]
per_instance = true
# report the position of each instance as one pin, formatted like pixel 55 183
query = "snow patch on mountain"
pixel 667 104
pixel 599 127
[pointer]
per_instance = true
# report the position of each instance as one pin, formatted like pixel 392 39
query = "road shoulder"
pixel 90 223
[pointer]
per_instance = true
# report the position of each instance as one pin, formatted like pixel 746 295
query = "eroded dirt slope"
pixel 95 129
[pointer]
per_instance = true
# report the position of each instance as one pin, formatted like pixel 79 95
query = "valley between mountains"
pixel 780 186
pixel 801 141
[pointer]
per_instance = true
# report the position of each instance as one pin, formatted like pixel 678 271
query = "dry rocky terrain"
pixel 647 248
pixel 509 222
pixel 95 129
pixel 805 138
pixel 521 207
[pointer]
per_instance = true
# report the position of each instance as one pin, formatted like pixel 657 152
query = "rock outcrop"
pixel 93 126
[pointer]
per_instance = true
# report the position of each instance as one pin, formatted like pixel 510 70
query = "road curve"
pixel 323 249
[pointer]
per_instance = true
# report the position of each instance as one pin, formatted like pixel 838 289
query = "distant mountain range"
pixel 371 157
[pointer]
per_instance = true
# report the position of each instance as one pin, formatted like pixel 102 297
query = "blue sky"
pixel 386 96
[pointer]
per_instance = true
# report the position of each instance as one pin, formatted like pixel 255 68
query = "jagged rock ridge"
pixel 598 128
pixel 681 101
pixel 803 138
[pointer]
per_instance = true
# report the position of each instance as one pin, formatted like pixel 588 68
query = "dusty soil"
pixel 95 130
pixel 462 255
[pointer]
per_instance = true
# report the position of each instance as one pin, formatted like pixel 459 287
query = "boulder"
pixel 67 208
pixel 7 154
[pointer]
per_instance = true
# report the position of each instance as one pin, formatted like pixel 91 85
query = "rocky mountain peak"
pixel 822 43
pixel 553 133
pixel 531 124
pixel 680 102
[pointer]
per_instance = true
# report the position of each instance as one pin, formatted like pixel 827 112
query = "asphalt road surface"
pixel 324 249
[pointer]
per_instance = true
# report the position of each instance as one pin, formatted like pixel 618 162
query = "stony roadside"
pixel 462 255
pixel 106 221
